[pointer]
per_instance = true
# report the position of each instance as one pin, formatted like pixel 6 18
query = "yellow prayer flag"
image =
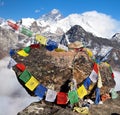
pixel 22 53
pixel 41 39
pixel 90 54
pixel 32 83
pixel 108 65
pixel 81 91
pixel 83 110
pixel 59 50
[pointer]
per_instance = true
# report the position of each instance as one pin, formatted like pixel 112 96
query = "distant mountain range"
pixel 54 26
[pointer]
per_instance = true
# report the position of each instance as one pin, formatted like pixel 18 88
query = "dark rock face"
pixel 58 69
pixel 77 33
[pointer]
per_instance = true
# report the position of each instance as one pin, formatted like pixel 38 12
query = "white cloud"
pixel 13 97
pixel 37 11
pixel 103 24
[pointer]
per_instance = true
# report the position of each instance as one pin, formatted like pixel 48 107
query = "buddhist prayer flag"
pixel 99 83
pixel 62 98
pixel 12 63
pixel 81 91
pixel 108 65
pixel 22 53
pixel 26 32
pixel 40 91
pixel 94 74
pixel 51 45
pixel 27 49
pixel 35 46
pixel 97 96
pixel 13 25
pixel 82 110
pixel 41 39
pixel 32 83
pixel 25 76
pixel 61 47
pixel 21 66
pixel 89 52
pixel 73 96
pixel 12 52
pixel 87 83
pixel 50 95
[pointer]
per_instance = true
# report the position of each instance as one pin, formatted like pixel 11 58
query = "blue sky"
pixel 17 9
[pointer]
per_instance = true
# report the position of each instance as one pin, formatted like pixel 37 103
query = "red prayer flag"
pixel 62 98
pixel 35 46
pixel 21 66
pixel 95 68
pixel 13 25
pixel 112 75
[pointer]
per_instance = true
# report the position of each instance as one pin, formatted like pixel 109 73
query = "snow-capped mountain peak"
pixel 116 37
pixel 52 16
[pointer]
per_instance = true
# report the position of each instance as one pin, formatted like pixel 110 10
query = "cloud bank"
pixel 13 97
pixel 103 24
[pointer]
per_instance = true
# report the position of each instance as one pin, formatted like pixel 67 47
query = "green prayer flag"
pixel 110 69
pixel 27 49
pixel 72 95
pixel 25 76
pixel 26 32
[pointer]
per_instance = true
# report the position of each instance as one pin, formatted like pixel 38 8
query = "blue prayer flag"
pixel 40 91
pixel 87 82
pixel 97 98
pixel 51 45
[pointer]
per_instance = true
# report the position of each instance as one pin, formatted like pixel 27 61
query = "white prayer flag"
pixel 12 63
pixel 62 47
pixel 51 95
pixel 93 76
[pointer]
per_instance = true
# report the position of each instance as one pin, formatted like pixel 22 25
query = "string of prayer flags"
pixel 26 32
pixel 81 91
pixel 41 39
pixel 51 45
pixel 12 52
pixel 32 83
pixel 62 98
pixel 61 48
pixel 25 76
pixel 97 95
pixel 22 53
pixel 50 95
pixel 87 83
pixel 11 63
pixel 35 46
pixel 40 91
pixel 73 96
pixel 94 74
pixel 21 66
pixel 13 25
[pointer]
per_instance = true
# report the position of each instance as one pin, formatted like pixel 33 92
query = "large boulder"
pixel 56 70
